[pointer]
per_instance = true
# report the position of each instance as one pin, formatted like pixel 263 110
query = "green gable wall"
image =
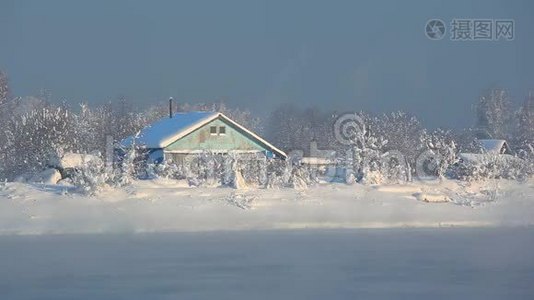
pixel 201 139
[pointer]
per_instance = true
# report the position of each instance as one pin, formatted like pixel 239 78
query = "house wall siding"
pixel 202 139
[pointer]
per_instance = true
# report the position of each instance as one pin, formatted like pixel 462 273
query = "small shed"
pixel 491 150
pixel 494 146
pixel 324 161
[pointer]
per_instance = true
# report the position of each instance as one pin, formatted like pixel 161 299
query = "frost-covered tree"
pixel 4 88
pixel 321 128
pixel 284 126
pixel 366 149
pixel 94 124
pixel 362 158
pixel 466 140
pixel 87 137
pixel 126 119
pixel 36 136
pixel 241 116
pixel 526 122
pixel 403 133
pixel 4 92
pixel 440 155
pixel 494 114
pixel 292 128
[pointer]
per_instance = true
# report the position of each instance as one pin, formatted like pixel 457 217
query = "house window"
pixel 222 130
pixel 213 130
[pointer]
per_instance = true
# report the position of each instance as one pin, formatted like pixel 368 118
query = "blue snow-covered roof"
pixel 167 130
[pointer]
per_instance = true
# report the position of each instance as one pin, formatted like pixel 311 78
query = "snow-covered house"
pixel 491 149
pixel 494 146
pixel 191 133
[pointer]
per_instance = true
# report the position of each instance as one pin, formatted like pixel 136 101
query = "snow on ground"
pixel 169 206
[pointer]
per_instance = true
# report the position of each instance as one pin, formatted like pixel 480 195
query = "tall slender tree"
pixel 4 88
pixel 526 121
pixel 494 114
pixel 4 96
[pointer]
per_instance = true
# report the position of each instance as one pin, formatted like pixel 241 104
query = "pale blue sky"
pixel 342 55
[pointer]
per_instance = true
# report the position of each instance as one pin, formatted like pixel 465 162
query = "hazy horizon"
pixel 371 56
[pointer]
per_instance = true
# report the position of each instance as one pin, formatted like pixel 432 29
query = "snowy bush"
pixel 166 169
pixel 239 171
pixel 473 167
pixel 94 175
pixel 442 144
pixel 91 178
pixel 48 176
pixel 206 168
pixel 372 177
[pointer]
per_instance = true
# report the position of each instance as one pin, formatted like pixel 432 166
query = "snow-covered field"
pixel 459 263
pixel 171 206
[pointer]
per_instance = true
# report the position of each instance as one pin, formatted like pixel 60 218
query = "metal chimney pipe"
pixel 170 107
